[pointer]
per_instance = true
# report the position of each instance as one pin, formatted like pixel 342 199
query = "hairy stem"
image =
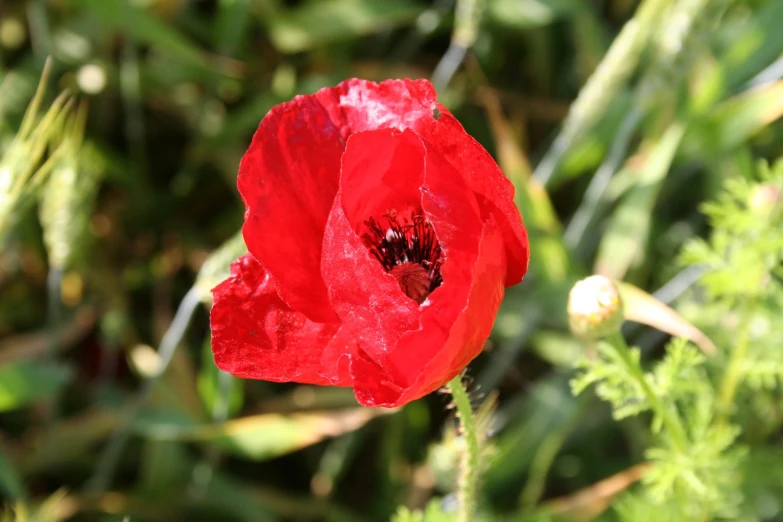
pixel 468 475
pixel 667 414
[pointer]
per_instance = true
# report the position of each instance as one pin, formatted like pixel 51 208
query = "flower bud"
pixel 594 308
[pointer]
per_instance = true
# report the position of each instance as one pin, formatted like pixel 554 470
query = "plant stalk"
pixel 733 375
pixel 604 85
pixel 468 473
pixel 109 459
pixel 668 416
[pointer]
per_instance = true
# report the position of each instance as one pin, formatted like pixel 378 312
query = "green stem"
pixel 668 416
pixel 109 459
pixel 733 375
pixel 468 475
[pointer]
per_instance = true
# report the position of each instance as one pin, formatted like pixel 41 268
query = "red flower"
pixel 381 237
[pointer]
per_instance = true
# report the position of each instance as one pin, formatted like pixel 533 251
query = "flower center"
pixel 409 251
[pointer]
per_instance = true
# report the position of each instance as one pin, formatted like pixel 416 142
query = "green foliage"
pixel 24 382
pixel 614 381
pixel 432 513
pixel 679 374
pixel 221 392
pixel 641 509
pixel 700 476
pixel 68 195
pixel 53 509
pixel 615 121
pixel 22 166
pixel 742 257
pixel 743 276
pixel 320 23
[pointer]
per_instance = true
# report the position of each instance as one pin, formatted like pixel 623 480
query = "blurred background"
pixel 615 120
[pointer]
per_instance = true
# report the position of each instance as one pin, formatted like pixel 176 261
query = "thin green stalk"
pixel 668 416
pixel 205 469
pixel 109 458
pixel 468 474
pixel 40 35
pixel 603 86
pixel 584 215
pixel 733 375
pixel 130 91
pixel 54 318
pixel 466 22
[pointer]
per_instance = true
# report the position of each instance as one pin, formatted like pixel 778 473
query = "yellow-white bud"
pixel 595 308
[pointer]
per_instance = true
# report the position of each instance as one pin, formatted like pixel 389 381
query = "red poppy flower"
pixel 381 237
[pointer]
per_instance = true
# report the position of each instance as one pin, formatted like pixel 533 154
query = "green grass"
pixel 616 120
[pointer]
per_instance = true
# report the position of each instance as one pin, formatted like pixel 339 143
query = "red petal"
pixel 373 386
pixel 472 327
pixel 255 335
pixel 288 180
pixel 451 208
pixel 494 192
pixel 359 105
pixel 457 317
pixel 380 168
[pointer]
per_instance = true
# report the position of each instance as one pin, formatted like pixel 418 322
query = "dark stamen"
pixel 412 241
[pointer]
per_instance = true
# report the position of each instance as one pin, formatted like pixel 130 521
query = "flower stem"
pixel 733 375
pixel 468 475
pixel 668 416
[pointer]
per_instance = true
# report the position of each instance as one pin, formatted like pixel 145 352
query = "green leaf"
pixel 221 398
pixel 231 24
pixel 757 46
pixel 630 225
pixel 148 29
pixel 320 23
pixel 678 373
pixel 546 407
pixel 10 482
pixel 526 14
pixel 614 381
pixel 24 382
pixel 739 118
pixel 263 437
